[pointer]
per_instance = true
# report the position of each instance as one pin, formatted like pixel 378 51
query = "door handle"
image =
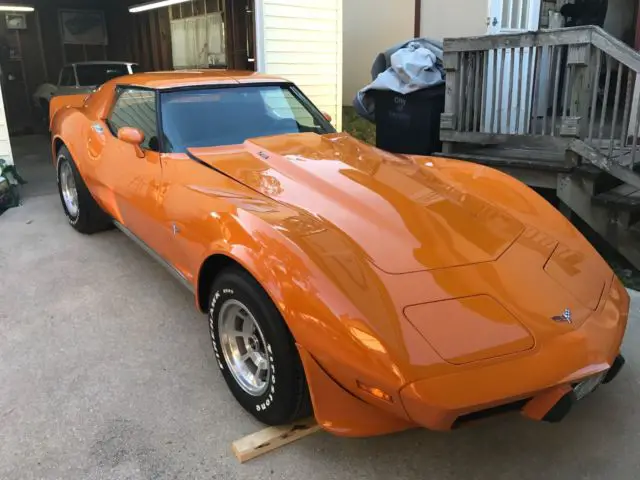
pixel 494 22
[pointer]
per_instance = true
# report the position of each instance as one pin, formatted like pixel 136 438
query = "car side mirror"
pixel 132 136
pixel 327 117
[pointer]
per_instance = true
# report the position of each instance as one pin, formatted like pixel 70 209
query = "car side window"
pixel 67 77
pixel 136 108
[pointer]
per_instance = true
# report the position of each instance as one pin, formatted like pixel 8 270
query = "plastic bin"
pixel 409 123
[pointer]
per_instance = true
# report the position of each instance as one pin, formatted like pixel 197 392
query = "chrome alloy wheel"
pixel 68 189
pixel 244 348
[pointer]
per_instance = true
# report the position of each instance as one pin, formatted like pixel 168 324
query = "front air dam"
pixel 341 413
pixel 615 369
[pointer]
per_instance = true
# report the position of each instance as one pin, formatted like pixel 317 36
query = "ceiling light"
pixel 16 8
pixel 153 5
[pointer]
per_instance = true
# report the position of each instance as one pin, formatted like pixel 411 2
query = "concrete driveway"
pixel 106 372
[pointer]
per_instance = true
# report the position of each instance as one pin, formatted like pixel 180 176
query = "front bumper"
pixel 563 406
pixel 540 384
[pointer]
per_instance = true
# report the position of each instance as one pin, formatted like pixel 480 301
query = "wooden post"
pixel 581 86
pixel 25 80
pixel 41 46
pixel 576 123
pixel 448 120
pixel 155 40
pixel 165 39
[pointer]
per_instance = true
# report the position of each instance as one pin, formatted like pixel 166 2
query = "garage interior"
pixel 35 45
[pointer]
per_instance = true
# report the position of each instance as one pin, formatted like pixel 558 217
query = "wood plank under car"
pixel 270 438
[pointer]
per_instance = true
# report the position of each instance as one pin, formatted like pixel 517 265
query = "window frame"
pixel 73 77
pixel 118 91
pixel 315 112
pixel 106 65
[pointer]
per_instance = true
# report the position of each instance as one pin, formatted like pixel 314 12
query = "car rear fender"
pixel 67 140
pixel 62 102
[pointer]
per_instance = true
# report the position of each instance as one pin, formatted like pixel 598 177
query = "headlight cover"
pixel 469 329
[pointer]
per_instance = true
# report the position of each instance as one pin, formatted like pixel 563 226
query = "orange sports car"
pixel 377 291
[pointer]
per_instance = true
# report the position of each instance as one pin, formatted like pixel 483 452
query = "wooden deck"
pixel 574 129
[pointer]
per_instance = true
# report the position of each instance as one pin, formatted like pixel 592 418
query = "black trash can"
pixel 409 123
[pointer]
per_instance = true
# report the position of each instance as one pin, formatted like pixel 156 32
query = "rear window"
pixel 229 116
pixel 90 75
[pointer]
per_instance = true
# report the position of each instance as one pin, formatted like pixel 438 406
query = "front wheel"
pixel 255 350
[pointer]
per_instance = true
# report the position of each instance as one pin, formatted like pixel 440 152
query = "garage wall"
pixel 150 39
pixel 5 145
pixel 35 55
pixel 371 27
pixel 454 18
pixel 301 40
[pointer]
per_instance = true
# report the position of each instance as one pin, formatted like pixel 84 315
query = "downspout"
pixel 260 51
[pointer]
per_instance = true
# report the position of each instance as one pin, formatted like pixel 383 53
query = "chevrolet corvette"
pixel 377 292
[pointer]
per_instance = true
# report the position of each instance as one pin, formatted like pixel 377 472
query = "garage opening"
pixel 35 44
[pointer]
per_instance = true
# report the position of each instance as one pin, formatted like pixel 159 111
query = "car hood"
pixel 404 217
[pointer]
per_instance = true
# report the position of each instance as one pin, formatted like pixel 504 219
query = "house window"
pixel 198 35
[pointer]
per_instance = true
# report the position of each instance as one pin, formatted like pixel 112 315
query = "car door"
pixel 127 177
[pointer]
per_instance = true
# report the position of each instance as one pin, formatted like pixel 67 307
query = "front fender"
pixel 341 317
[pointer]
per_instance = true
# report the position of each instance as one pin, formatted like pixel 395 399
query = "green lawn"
pixel 357 126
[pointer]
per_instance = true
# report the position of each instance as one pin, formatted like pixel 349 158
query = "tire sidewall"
pixel 276 403
pixel 63 157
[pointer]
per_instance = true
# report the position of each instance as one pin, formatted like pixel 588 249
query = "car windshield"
pixel 219 116
pixel 97 74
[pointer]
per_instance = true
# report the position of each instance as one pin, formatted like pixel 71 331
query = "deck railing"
pixel 572 89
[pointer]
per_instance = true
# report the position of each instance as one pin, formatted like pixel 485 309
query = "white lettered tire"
pixel 255 350
pixel 80 208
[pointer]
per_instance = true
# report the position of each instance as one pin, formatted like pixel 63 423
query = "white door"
pixel 510 16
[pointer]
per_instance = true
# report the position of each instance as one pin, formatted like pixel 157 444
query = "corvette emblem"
pixel 564 318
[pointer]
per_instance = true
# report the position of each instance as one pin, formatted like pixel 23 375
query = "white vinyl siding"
pixel 301 40
pixel 5 145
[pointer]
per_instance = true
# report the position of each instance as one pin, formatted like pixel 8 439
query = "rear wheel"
pixel 82 211
pixel 255 350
